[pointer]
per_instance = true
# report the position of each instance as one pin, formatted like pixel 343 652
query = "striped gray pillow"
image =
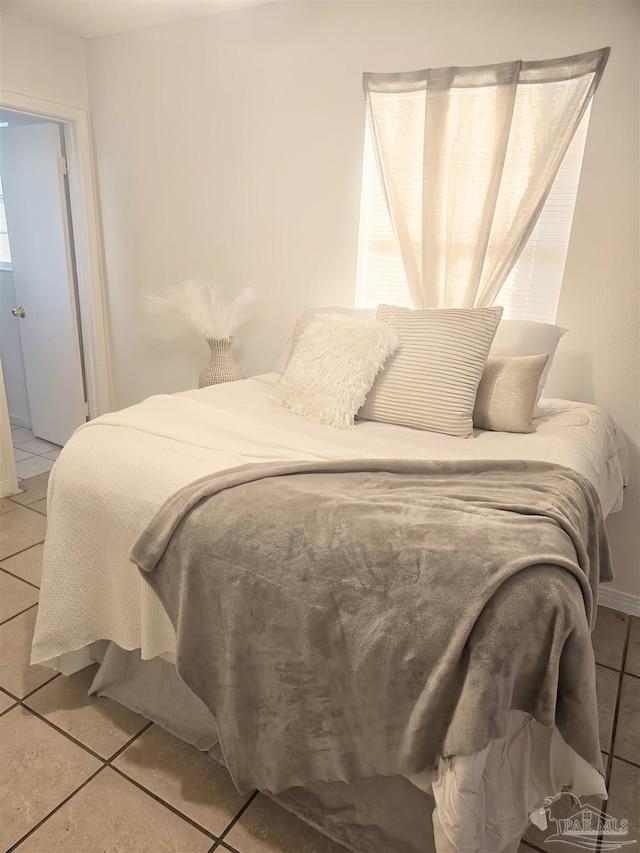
pixel 432 379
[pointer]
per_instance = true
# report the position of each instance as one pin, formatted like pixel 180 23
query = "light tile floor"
pixel 33 455
pixel 82 774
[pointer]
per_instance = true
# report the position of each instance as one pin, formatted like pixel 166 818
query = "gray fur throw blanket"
pixel 353 619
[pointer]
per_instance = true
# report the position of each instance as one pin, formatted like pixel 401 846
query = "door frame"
pixel 8 478
pixel 85 218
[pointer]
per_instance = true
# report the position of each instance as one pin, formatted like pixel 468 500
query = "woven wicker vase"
pixel 221 367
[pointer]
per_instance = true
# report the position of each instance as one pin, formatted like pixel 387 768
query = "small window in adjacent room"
pixel 5 251
pixel 531 292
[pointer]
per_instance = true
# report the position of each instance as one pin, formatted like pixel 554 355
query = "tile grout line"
pixel 21 702
pixel 154 796
pixel 74 740
pixel 614 728
pixel 54 810
pixel 626 761
pixel 610 756
pixel 31 476
pixel 131 740
pixel 30 506
pixel 108 763
pixel 16 506
pixel 22 503
pixel 42 718
pixel 167 805
pixel 105 763
pixel 220 843
pixel 31 452
pixel 35 689
pixel 15 615
pixel 631 675
pixel 33 545
pixel 31 692
pixel 224 845
pixel 603 665
pixel 18 578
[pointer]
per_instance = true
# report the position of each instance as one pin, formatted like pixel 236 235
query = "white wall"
pixel 11 354
pixel 38 63
pixel 42 63
pixel 48 65
pixel 230 147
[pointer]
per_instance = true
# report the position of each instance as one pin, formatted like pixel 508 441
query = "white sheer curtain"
pixel 467 157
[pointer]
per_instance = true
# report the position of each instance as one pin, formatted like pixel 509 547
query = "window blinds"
pixel 532 290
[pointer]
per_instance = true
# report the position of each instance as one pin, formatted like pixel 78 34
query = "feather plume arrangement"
pixel 204 306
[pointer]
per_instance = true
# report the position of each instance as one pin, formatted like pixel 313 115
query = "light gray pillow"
pixel 335 363
pixel 431 381
pixel 507 393
pixel 527 337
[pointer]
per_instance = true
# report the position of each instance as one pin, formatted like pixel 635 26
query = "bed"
pixel 115 474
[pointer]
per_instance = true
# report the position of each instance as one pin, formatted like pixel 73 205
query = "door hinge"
pixel 86 409
pixel 62 165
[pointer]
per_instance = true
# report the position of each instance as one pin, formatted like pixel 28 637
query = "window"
pixel 532 290
pixel 5 251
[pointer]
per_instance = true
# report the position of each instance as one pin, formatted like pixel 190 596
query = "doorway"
pixel 40 328
pixel 62 345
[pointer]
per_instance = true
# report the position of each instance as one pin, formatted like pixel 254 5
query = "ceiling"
pixel 92 18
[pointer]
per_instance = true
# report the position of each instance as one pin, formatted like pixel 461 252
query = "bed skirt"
pixel 500 789
pixel 383 814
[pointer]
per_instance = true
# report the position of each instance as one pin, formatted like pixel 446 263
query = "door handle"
pixel 18 312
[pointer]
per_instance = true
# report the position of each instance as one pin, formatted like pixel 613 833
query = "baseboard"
pixel 19 420
pixel 623 601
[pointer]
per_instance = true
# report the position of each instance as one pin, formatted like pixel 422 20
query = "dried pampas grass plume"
pixel 204 306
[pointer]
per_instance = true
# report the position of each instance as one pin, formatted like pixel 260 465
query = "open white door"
pixel 33 170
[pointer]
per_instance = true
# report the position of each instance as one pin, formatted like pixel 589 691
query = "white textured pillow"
pixel 507 393
pixel 431 381
pixel 300 327
pixel 527 337
pixel 334 364
pixel 310 314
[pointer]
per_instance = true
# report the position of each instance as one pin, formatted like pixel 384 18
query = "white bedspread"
pixel 118 469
